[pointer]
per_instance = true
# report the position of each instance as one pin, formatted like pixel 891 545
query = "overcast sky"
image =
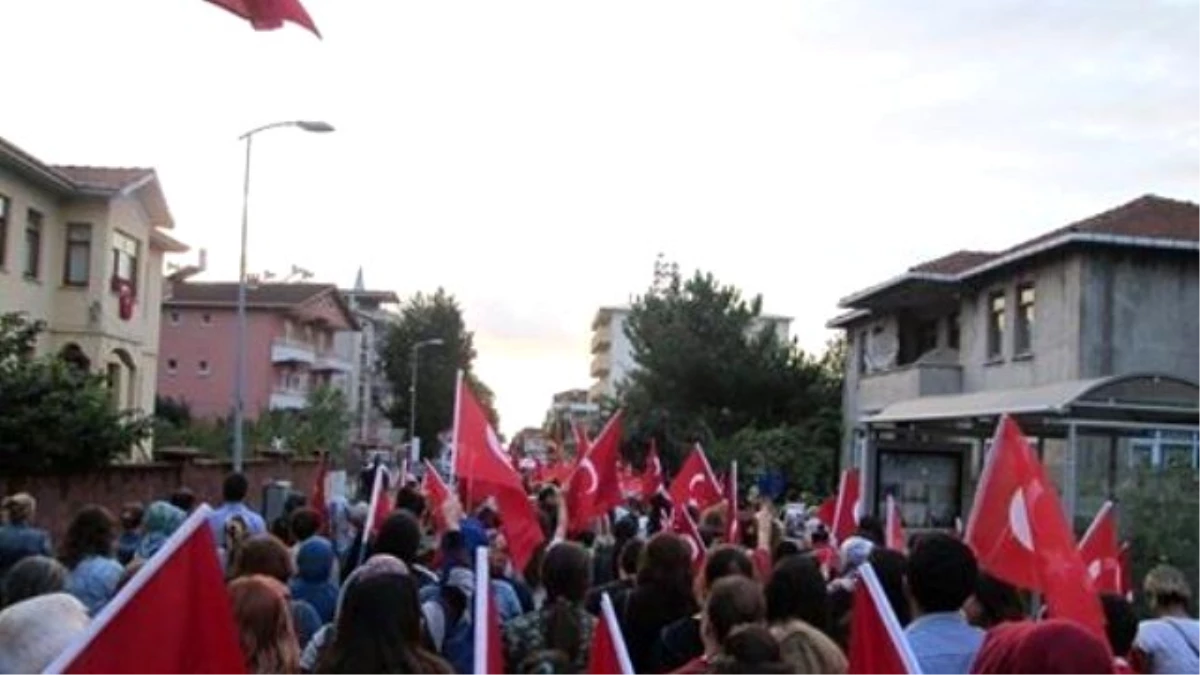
pixel 533 157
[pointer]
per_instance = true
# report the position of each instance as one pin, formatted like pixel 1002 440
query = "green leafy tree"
pixel 708 368
pixel 805 455
pixel 1159 514
pixel 324 425
pixel 428 317
pixel 55 417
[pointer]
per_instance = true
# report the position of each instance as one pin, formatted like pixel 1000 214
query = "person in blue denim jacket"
pixel 19 539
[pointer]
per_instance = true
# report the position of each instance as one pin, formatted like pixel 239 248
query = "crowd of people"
pixel 316 591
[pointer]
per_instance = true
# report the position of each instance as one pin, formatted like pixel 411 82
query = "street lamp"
pixel 414 444
pixel 239 408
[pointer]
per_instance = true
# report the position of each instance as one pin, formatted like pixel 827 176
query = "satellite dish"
pixel 882 350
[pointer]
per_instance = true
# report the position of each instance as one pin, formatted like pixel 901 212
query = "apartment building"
pixel 1087 334
pixel 612 353
pixel 368 392
pixel 290 350
pixel 81 248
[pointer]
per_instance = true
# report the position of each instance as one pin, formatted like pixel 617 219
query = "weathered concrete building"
pixel 1089 335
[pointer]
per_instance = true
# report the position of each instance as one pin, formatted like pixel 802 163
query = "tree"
pixel 428 317
pixel 55 417
pixel 708 367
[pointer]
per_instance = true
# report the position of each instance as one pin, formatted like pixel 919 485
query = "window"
pixel 953 331
pixel 33 244
pixel 1023 335
pixel 174 317
pixel 206 318
pixel 927 337
pixel 172 366
pixel 860 349
pixel 124 261
pixel 78 263
pixel 995 328
pixel 203 368
pixel 4 207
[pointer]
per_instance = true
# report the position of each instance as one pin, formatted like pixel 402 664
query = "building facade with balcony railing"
pixel 290 345
pixel 368 392
pixel 1087 335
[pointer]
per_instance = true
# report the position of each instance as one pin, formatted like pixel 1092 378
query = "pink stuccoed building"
pixel 290 347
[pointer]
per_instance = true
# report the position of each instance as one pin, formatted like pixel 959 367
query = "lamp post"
pixel 239 397
pixel 414 442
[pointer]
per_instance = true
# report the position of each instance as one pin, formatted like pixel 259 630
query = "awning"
pixel 1139 391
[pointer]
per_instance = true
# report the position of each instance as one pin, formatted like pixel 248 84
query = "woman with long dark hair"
pixel 378 630
pixel 88 554
pixel 663 594
pixel 555 638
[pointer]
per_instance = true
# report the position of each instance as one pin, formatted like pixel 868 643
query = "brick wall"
pixel 60 497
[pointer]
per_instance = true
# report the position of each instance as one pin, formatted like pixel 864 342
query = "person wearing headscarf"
pixel 158 524
pixel 314 563
pixel 35 631
pixel 1053 646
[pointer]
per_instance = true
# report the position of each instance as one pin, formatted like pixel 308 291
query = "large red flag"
pixel 175 606
pixel 652 475
pixel 595 485
pixel 488 634
pixel 877 643
pixel 270 14
pixel 1100 549
pixel 695 482
pixel 894 530
pixel 848 507
pixel 437 492
pixel 1020 535
pixel 609 654
pixel 480 462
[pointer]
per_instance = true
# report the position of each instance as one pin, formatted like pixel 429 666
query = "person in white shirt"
pixel 1170 642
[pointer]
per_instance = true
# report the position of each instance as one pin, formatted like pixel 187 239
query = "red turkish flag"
pixel 848 507
pixel 488 635
pixel 175 606
pixel 1020 535
pixel 609 654
pixel 652 475
pixel 480 462
pixel 320 503
pixel 894 530
pixel 270 14
pixel 595 485
pixel 732 529
pixel 695 482
pixel 437 492
pixel 682 524
pixel 1100 550
pixel 877 643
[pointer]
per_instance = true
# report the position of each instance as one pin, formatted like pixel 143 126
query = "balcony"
pixel 876 390
pixel 601 340
pixel 601 365
pixel 332 362
pixel 288 399
pixel 289 351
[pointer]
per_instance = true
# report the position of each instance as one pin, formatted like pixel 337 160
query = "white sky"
pixel 534 156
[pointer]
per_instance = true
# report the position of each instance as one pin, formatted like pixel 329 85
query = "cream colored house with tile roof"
pixel 82 248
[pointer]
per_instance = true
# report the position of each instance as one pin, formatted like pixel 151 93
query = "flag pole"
pixel 198 519
pixel 480 601
pixel 614 630
pixel 369 524
pixel 867 575
pixel 458 383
